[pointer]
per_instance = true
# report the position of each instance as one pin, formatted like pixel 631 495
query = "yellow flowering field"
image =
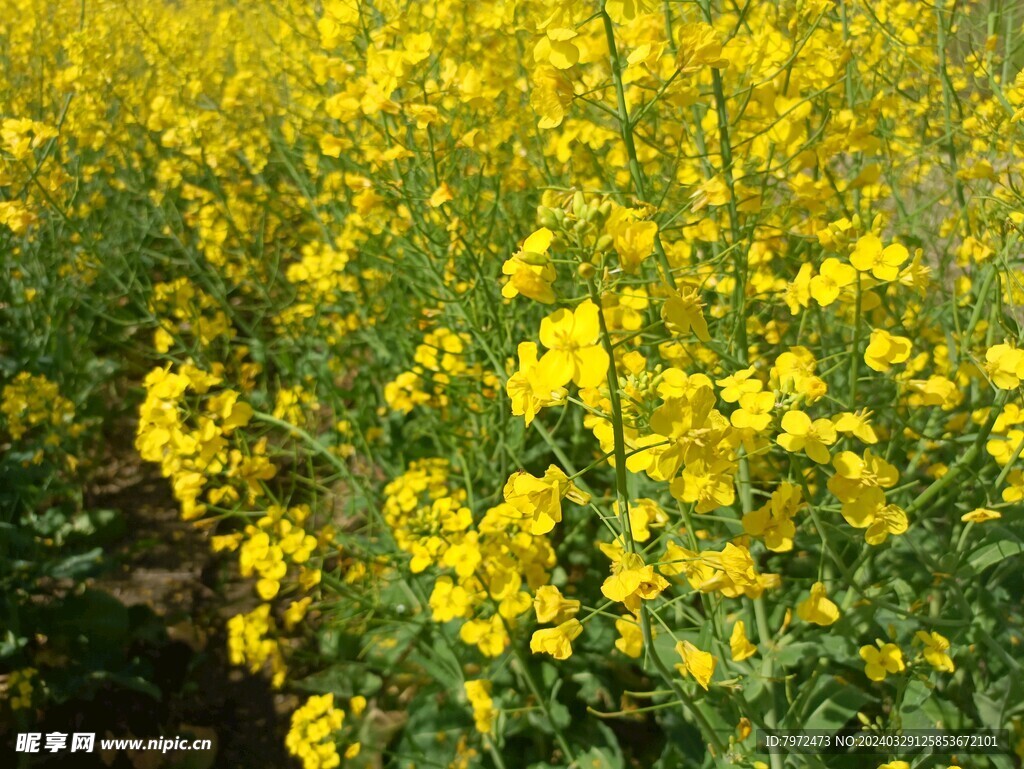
pixel 572 384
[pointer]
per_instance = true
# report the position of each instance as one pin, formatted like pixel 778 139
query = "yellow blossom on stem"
pixel 556 641
pixel 699 46
pixel 479 695
pixel 741 383
pixel 731 572
pixel 1003 450
pixel 885 350
pixel 981 515
pixel 856 424
pixel 881 659
pixel 936 650
pixel 801 434
pixel 680 560
pixel 793 372
pixel 632 580
pixel 530 270
pixel 739 645
pixel 557 49
pixel 633 241
pixel 697 663
pixel 541 498
pixel 624 11
pixel 832 278
pixel 817 608
pixel 551 606
pixel 574 353
pixel 798 291
pixel 870 512
pixel 773 521
pixel 488 635
pixel 449 600
pixel 754 413
pixel 440 196
pixel 710 485
pixel 551 96
pixel 855 474
pixel 1015 491
pixel 631 638
pixel 1005 366
pixel 934 391
pixel 883 263
pixel 683 312
pixel 311 736
pixel 643 515
pixel 532 387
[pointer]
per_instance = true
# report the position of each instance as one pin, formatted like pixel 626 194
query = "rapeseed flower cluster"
pixel 33 409
pixel 310 737
pixel 485 569
pixel 20 689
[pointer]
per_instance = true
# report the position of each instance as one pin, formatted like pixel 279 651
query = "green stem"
pixel 688 704
pixel 621 490
pixel 626 128
pixel 494 752
pixel 947 99
pixel 966 459
pixel 622 495
pixel 543 703
pixel 855 348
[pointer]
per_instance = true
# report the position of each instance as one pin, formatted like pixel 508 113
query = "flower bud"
pixel 578 204
pixel 546 217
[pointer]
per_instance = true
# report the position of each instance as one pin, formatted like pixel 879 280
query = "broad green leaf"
pixel 993 553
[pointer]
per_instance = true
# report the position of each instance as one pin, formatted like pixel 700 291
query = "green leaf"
pixel 560 715
pixel 793 654
pixel 912 712
pixel 345 679
pixel 135 683
pixel 671 758
pixel 96 615
pixel 832 704
pixel 599 758
pixel 78 566
pixel 906 595
pixel 837 646
pixel 107 525
pixel 1002 700
pixel 591 688
pixel 993 553
pixel 10 644
pixel 917 692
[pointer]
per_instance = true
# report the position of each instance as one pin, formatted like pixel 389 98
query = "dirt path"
pixel 163 570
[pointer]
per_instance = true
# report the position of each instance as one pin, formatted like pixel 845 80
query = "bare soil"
pixel 164 565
